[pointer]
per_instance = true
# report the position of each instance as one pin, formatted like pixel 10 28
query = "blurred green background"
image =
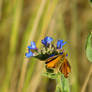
pixel 22 21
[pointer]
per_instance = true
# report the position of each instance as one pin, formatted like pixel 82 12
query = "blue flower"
pixel 60 43
pixel 30 54
pixel 30 50
pixel 33 46
pixel 47 40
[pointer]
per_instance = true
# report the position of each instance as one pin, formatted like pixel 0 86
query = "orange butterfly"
pixel 61 62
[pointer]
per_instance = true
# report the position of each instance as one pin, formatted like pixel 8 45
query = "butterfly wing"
pixel 65 68
pixel 52 61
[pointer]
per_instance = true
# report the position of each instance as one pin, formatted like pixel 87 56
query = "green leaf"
pixel 89 47
pixel 90 1
pixel 50 75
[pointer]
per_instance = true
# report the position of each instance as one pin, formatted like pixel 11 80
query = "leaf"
pixel 50 75
pixel 90 1
pixel 89 47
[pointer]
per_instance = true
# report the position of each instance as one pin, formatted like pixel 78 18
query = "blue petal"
pixel 47 40
pixel 30 54
pixel 43 42
pixel 64 43
pixel 60 44
pixel 33 45
pixel 29 48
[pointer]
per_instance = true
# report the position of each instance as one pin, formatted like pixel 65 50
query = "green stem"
pixel 58 85
pixel 62 84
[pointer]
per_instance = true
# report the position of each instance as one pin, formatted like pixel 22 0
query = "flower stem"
pixel 58 85
pixel 62 84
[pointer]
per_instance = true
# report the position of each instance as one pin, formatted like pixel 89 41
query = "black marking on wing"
pixel 51 59
pixel 68 64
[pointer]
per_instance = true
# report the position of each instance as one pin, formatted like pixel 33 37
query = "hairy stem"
pixel 62 84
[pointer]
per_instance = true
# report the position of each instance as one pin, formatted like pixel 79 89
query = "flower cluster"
pixel 47 50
